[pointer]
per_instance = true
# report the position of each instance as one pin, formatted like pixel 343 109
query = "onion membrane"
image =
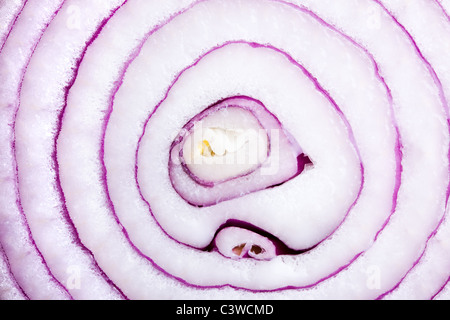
pixel 343 106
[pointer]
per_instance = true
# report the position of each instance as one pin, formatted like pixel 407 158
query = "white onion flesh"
pixel 93 94
pixel 273 156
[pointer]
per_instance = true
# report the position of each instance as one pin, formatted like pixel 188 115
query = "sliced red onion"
pixel 101 104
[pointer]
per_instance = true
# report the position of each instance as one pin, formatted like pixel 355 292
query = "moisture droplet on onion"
pixel 224 149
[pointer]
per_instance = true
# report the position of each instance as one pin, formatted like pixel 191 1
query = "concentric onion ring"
pixel 94 94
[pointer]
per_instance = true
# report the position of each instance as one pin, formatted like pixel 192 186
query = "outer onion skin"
pixel 92 90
